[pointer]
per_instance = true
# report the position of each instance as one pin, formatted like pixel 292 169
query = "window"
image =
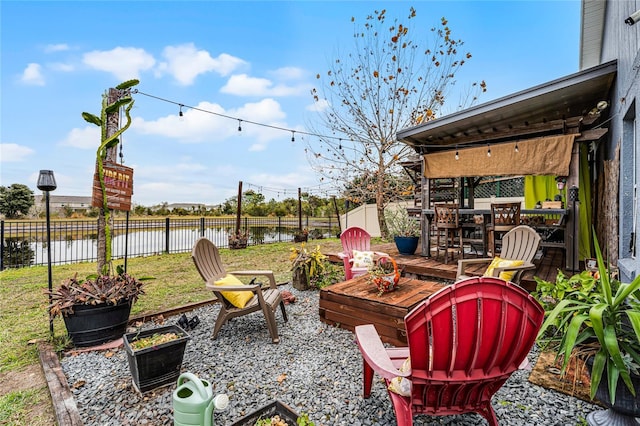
pixel 630 193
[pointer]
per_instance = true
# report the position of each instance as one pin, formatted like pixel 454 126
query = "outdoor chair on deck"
pixel 237 299
pixel 519 247
pixel 463 344
pixel 356 243
pixel 448 230
pixel 504 217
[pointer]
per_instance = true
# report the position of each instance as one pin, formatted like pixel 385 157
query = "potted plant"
pixel 384 275
pixel 155 356
pixel 301 236
pixel 404 229
pixel 594 315
pixel 239 240
pixel 96 309
pixel 306 266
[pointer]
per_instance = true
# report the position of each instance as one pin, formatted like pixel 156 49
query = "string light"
pixel 180 113
pixel 457 156
pixel 293 136
pixel 136 91
pixel 239 125
pixel 516 148
pixel 488 150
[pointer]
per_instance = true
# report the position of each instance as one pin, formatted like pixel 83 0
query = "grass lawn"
pixel 24 400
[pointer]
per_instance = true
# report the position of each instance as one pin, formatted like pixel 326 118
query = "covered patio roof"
pixel 562 106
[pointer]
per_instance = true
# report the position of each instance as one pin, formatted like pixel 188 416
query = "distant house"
pixel 597 109
pixel 58 203
pixel 190 207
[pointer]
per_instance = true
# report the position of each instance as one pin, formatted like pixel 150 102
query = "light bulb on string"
pixel 239 125
pixel 180 113
pixel 293 136
pixel 488 151
pixel 516 148
pixel 457 156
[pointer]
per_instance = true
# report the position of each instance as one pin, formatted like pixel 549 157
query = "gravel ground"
pixel 315 369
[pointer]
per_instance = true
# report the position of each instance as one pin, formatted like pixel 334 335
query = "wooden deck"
pixel 430 268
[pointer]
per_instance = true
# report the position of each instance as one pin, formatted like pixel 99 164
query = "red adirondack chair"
pixel 464 343
pixel 354 238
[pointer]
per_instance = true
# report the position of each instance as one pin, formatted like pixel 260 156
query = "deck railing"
pixel 23 243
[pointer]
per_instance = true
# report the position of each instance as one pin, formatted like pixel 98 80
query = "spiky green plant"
pixel 608 316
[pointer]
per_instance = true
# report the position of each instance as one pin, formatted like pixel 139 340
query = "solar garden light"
pixel 47 183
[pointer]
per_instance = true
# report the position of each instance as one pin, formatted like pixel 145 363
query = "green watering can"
pixel 193 402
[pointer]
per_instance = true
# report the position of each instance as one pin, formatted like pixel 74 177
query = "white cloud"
pixel 32 75
pixel 243 85
pixel 123 62
pixel 206 125
pixel 85 138
pixel 59 66
pixel 288 73
pixel 185 63
pixel 50 48
pixel 13 153
pixel 155 192
pixel 301 178
pixel 319 106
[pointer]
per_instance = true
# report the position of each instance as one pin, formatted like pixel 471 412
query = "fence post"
pixel 1 245
pixel 126 243
pixel 166 233
pixel 202 226
pixel 279 229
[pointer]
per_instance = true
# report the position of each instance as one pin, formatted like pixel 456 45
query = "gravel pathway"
pixel 315 369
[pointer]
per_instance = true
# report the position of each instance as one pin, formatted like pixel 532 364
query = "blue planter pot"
pixel 406 245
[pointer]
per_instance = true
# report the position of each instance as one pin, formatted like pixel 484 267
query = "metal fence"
pixel 24 243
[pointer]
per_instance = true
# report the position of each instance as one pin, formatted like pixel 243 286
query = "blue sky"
pixel 255 61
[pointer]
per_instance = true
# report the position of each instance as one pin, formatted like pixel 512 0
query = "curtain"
pixel 540 188
pixel 541 156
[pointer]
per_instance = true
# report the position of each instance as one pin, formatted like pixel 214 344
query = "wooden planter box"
pixel 159 365
pixel 356 302
pixel 284 411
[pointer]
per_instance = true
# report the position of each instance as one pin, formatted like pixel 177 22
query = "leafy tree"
pixel 17 253
pixel 253 203
pixel 15 200
pixel 391 80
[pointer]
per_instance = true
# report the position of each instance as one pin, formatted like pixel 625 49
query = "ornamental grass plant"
pixel 594 314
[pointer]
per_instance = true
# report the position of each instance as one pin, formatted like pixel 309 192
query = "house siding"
pixel 622 42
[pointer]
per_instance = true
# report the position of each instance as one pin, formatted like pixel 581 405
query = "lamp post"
pixel 574 198
pixel 47 183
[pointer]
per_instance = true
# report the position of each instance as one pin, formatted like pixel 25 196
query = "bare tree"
pixel 388 82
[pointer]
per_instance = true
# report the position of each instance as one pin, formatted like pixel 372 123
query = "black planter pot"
pixel 626 408
pixel 275 408
pixel 406 245
pixel 91 325
pixel 159 365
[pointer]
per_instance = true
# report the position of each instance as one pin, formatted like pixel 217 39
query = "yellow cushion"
pixel 239 299
pixel 402 385
pixel 362 259
pixel 498 262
